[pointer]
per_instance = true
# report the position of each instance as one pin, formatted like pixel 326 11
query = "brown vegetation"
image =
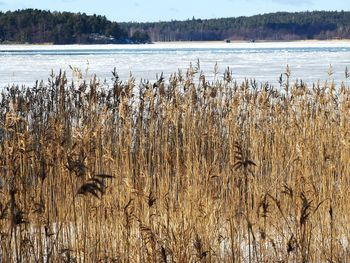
pixel 183 170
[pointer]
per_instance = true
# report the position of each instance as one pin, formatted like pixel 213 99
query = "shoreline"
pixel 187 42
pixel 256 41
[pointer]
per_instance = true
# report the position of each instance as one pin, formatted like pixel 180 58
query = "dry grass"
pixel 176 171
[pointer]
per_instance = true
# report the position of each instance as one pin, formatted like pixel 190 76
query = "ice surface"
pixel 308 60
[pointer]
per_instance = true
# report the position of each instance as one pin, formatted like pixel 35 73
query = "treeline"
pixel 273 26
pixel 38 26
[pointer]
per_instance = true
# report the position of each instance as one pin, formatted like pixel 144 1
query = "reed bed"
pixel 177 170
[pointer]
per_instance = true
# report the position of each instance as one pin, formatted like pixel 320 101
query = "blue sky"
pixel 162 10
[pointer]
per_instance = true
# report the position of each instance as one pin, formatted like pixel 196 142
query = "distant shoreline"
pixel 186 42
pixel 257 41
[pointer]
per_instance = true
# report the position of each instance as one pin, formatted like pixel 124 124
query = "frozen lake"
pixel 308 60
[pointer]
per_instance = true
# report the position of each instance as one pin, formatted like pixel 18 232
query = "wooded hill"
pixel 38 26
pixel 273 26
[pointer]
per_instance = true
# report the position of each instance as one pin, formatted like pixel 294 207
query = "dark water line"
pixel 79 52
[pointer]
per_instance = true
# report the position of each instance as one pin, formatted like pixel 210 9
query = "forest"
pixel 272 26
pixel 39 26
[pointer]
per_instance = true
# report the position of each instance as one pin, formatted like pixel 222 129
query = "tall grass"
pixel 180 170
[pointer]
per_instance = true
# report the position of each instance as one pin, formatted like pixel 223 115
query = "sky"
pixel 165 10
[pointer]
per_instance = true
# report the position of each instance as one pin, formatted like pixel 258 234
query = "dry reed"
pixel 184 170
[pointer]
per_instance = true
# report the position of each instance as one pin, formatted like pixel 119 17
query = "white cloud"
pixel 174 10
pixel 285 2
pixel 294 2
